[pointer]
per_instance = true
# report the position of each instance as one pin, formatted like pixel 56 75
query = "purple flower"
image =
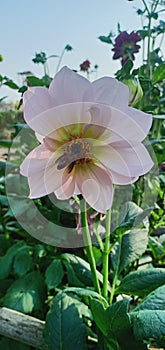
pixel 126 46
pixel 85 66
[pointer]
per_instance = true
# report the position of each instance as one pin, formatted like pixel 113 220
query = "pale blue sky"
pixel 48 25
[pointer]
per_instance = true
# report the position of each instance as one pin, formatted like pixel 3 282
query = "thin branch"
pixel 23 328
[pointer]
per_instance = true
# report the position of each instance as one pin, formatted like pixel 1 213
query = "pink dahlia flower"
pixel 90 139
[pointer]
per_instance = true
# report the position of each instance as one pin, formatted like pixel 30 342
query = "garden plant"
pixel 82 180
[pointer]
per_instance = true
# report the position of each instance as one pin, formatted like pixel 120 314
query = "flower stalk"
pixel 88 246
pixel 106 254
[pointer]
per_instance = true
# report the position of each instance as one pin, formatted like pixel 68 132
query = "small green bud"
pixel 135 90
pixel 68 47
pixel 1 58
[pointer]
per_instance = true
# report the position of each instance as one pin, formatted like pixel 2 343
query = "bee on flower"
pixel 90 139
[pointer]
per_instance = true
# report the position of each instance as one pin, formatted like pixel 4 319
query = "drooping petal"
pixel 96 187
pixel 70 87
pixel 36 100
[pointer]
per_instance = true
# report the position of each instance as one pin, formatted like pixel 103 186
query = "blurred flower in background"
pixel 125 46
pixel 84 67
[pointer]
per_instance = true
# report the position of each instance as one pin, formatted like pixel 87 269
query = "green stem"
pixel 106 254
pixel 149 12
pixel 45 71
pixel 148 46
pixel 60 59
pixel 88 247
pixel 161 40
pixel 146 8
pixel 143 47
pixel 116 273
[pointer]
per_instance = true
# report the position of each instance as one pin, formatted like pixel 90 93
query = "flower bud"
pixel 135 90
pixel 1 58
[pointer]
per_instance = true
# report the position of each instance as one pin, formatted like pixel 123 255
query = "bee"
pixel 65 160
pixel 69 158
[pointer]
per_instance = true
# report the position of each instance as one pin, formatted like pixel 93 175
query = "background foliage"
pixel 55 284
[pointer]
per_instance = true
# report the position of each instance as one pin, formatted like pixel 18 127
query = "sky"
pixel 48 25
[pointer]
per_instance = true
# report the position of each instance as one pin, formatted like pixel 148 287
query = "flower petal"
pixel 126 125
pixel 36 100
pixel 35 161
pixel 96 187
pixel 119 179
pixel 111 92
pixel 68 87
pixel 143 120
pixel 138 159
pixel 43 176
pixel 67 190
pixel 62 116
pixel 130 161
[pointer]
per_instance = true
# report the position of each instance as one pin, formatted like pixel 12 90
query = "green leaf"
pixel 112 320
pixel 125 70
pixel 105 39
pixel 142 282
pixel 82 308
pixel 4 201
pixel 154 15
pixel 26 294
pixel 40 57
pixel 22 89
pixel 131 214
pixel 46 80
pixel 133 245
pixel 149 324
pixel 7 260
pixel 99 315
pixel 22 262
pixel 87 294
pixel 2 98
pixel 154 301
pixel 34 81
pixel 6 165
pixel 78 271
pixel 64 329
pixel 6 344
pixel 11 84
pixel 6 143
pixel 159 74
pixel 114 324
pixel 143 33
pixel 4 244
pixel 54 274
